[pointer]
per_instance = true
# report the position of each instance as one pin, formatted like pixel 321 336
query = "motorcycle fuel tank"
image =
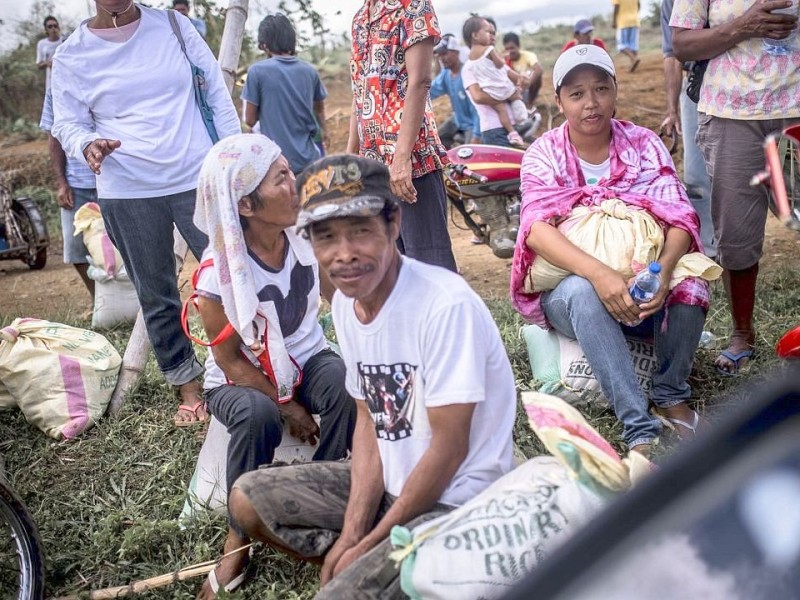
pixel 499 165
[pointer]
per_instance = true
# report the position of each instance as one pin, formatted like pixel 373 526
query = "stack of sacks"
pixel 115 298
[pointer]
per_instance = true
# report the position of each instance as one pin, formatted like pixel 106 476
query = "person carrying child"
pixel 490 82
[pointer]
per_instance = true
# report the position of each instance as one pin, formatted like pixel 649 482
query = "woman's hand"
pixel 97 150
pixel 301 424
pixel 401 181
pixel 657 303
pixel 614 293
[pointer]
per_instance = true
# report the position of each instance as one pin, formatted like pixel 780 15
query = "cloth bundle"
pixel 622 237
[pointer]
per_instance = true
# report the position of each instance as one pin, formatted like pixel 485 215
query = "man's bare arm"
pixel 58 159
pixel 673 80
pixel 366 491
pixel 450 429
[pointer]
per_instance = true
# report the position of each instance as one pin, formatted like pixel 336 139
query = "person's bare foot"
pixel 643 449
pixel 192 407
pixel 738 353
pixel 229 568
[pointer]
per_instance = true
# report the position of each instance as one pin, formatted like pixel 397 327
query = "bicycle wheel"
pixel 21 557
pixel 784 199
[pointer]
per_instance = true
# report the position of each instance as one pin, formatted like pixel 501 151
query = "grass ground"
pixel 107 504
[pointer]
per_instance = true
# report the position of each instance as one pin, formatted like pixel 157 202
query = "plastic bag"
pixel 61 377
pixel 208 488
pixel 559 365
pixel 115 300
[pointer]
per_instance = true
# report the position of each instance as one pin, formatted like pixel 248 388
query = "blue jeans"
pixel 575 310
pixel 255 426
pixel 423 227
pixel 695 175
pixel 142 231
pixel 496 137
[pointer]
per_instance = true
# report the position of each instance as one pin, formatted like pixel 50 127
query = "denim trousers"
pixel 695 175
pixel 142 231
pixel 423 227
pixel 255 426
pixel 496 137
pixel 575 310
pixel 303 509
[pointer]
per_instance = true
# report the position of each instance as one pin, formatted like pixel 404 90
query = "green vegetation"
pixel 107 504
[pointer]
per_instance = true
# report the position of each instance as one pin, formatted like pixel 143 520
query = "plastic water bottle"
pixel 787 44
pixel 645 285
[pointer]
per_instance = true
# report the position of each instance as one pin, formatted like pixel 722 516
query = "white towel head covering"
pixel 232 169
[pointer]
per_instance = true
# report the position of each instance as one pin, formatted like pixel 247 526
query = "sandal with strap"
pixel 232 585
pixel 671 423
pixel 194 410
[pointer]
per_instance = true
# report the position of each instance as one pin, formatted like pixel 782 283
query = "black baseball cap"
pixel 342 185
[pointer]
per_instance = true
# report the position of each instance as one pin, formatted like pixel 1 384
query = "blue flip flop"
pixel 735 359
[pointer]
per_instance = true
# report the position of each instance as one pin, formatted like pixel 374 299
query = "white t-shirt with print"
pixel 294 290
pixel 433 344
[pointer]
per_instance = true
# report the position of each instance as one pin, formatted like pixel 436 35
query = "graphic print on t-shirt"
pixel 389 391
pixel 291 309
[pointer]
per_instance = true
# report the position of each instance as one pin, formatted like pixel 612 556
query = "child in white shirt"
pixel 494 77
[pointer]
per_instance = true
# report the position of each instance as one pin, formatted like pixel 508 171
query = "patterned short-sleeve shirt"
pixel 743 82
pixel 382 31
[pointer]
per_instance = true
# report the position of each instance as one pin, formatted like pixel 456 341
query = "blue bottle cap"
pixel 654 267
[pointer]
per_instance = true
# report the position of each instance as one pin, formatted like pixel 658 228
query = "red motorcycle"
pixel 781 177
pixel 482 183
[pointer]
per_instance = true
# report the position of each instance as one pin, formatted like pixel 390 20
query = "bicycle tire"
pixel 21 555
pixel 787 153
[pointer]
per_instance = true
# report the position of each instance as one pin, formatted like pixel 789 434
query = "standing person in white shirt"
pixel 124 102
pixel 46 47
pixel 433 386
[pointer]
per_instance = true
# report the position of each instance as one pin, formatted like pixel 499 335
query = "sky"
pixel 452 13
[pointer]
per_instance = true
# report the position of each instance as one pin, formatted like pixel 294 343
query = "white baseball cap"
pixel 577 56
pixel 448 42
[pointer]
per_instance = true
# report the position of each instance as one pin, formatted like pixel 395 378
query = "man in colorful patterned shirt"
pixel 392 120
pixel 746 94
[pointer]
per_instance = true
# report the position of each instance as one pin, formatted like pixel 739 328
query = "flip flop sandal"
pixel 232 585
pixel 192 409
pixel 671 422
pixel 735 358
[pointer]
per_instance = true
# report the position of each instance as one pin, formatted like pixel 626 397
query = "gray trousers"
pixel 303 506
pixel 255 426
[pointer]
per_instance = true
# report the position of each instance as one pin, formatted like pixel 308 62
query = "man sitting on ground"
pixel 583 35
pixel 525 63
pixel 434 389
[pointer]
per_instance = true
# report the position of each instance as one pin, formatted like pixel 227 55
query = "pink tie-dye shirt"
pixel 642 175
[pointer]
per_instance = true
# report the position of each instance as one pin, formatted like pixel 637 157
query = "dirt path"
pixel 56 291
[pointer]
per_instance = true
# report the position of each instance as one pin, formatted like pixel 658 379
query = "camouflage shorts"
pixel 302 508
